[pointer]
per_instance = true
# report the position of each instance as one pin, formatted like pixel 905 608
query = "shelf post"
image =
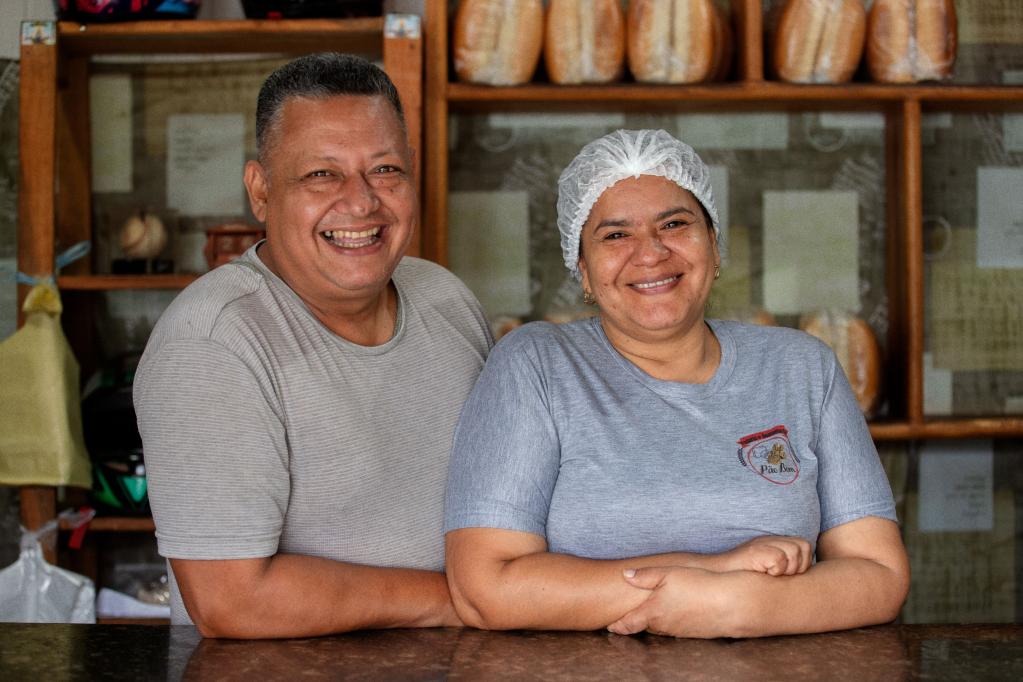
pixel 435 205
pixel 37 117
pixel 749 40
pixel 911 191
pixel 403 62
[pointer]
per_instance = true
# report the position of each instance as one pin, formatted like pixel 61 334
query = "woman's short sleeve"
pixel 851 482
pixel 506 453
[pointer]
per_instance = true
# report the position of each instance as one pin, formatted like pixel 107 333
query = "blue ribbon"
pixel 64 259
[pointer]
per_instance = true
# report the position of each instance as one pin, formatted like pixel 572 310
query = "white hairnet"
pixel 615 157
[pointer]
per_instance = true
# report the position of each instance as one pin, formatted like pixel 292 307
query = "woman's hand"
pixel 684 602
pixel 770 554
pixel 861 578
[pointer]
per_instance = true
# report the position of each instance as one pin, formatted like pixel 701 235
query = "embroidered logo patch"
pixel 770 455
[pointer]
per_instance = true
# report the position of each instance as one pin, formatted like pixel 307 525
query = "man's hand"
pixel 770 554
pixel 683 602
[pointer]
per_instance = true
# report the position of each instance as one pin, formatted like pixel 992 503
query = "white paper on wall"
pixel 734 131
pixel 811 251
pixel 111 132
pixel 1012 132
pixel 205 160
pixel 956 486
pixel 999 217
pixel 937 388
pixel 488 247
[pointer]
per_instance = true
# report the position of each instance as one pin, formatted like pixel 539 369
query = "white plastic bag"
pixel 34 591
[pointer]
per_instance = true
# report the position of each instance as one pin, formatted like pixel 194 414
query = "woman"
pixel 652 470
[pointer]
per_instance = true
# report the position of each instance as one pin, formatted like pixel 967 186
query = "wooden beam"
pixel 749 40
pixel 435 217
pixel 403 62
pixel 911 189
pixel 36 143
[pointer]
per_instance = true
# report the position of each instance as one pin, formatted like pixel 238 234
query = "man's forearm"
pixel 290 595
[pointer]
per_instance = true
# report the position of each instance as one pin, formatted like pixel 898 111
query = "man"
pixel 297 405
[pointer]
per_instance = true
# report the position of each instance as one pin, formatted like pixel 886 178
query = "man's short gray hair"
pixel 318 76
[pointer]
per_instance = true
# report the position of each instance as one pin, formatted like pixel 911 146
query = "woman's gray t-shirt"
pixel 565 438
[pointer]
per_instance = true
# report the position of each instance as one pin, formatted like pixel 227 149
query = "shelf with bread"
pixel 59 205
pixel 505 138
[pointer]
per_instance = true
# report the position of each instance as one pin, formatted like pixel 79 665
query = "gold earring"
pixel 717 271
pixel 588 298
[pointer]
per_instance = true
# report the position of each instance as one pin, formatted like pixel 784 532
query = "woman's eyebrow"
pixel 672 211
pixel 612 222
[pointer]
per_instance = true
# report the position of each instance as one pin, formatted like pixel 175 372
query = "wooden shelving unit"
pixel 55 204
pixel 902 106
pixel 115 282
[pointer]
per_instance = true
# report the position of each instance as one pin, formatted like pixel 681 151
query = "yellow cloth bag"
pixel 41 439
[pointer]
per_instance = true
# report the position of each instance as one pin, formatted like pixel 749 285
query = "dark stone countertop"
pixel 140 652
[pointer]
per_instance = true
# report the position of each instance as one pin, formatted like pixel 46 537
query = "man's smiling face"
pixel 337 195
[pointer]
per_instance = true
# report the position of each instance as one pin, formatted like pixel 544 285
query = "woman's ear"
pixel 585 275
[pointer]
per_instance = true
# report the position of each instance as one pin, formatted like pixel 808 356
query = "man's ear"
pixel 256 184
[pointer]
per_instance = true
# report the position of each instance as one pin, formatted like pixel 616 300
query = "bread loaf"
pixel 498 42
pixel 671 41
pixel 853 341
pixel 584 41
pixel 911 40
pixel 819 41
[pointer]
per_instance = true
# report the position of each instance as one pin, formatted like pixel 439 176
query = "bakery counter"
pixel 140 652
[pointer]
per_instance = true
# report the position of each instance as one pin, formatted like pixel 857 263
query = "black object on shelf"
pixel 311 9
pixel 114 444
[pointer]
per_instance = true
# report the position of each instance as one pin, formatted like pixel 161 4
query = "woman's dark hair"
pixel 316 76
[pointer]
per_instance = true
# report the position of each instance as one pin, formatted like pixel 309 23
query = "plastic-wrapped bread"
pixel 584 41
pixel 911 40
pixel 671 41
pixel 853 341
pixel 498 42
pixel 819 41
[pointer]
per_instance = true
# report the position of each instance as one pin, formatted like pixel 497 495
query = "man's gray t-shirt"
pixel 265 432
pixel 565 438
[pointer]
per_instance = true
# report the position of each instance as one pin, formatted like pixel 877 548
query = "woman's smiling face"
pixel 648 256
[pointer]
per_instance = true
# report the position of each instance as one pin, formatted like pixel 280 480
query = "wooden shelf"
pixel 118 282
pixel 465 96
pixel 935 429
pixel 119 524
pixel 361 35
